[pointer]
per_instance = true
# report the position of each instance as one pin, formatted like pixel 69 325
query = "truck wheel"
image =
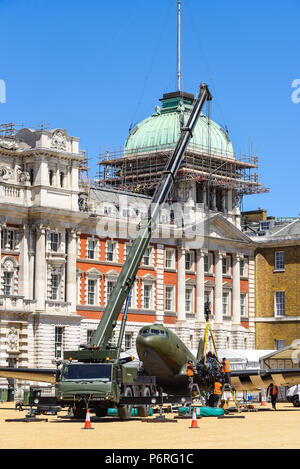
pixel 295 401
pixel 124 411
pixel 144 411
pixel 101 411
pixel 79 411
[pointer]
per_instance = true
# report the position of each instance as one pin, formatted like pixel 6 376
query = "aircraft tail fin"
pixel 200 349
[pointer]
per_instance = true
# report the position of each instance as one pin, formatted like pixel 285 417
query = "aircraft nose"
pixel 143 342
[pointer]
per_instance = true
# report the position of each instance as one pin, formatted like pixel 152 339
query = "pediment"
pixel 219 228
pixel 148 277
pixel 209 284
pixel 93 272
pixel 111 273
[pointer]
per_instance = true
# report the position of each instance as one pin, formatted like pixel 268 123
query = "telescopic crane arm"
pixel 129 270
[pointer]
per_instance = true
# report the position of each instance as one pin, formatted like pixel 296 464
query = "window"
pixel 110 251
pixel 265 225
pixel 91 246
pixel 109 288
pixel 126 250
pixel 207 296
pixel 279 303
pixel 169 259
pixel 189 260
pixel 126 212
pixel 147 296
pixel 279 260
pixel 54 287
pixel 54 242
pixel 107 210
pixel 147 257
pixel 225 304
pixel 208 263
pixel 61 178
pixel 242 268
pixel 226 262
pixel 128 341
pixel 59 332
pixel 7 283
pixel 189 300
pixel 91 292
pixel 11 239
pixel 51 177
pixel 31 175
pixel 243 304
pixel 89 335
pixel 169 298
pixel 279 344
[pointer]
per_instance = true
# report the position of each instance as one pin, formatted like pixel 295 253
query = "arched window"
pixel 9 276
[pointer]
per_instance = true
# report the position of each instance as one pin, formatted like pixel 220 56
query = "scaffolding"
pixel 10 129
pixel 139 170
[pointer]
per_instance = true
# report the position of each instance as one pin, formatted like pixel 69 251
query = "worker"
pixel 190 368
pixel 225 368
pixel 272 391
pixel 217 393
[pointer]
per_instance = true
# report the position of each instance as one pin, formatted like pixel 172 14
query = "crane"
pixel 99 351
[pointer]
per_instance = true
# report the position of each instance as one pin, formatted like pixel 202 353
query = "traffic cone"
pixel 87 425
pixel 262 399
pixel 194 420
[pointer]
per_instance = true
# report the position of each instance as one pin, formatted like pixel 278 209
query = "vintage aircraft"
pixel 165 356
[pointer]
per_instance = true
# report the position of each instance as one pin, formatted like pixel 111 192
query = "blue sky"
pixel 94 67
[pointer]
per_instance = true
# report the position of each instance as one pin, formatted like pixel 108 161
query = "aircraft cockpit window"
pixel 144 332
pixel 154 331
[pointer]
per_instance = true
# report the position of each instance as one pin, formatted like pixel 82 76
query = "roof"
pixel 290 352
pixel 162 129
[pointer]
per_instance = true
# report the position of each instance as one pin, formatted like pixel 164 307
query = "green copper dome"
pixel 162 129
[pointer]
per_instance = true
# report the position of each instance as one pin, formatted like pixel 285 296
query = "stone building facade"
pixel 63 244
pixel 277 265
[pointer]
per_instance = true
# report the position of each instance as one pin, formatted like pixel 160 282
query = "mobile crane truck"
pixel 95 376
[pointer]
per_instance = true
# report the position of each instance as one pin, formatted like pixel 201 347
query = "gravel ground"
pixel 258 430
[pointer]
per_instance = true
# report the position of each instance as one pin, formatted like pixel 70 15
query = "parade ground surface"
pixel 265 429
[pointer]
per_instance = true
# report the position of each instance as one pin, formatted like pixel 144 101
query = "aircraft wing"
pixel 254 380
pixel 29 374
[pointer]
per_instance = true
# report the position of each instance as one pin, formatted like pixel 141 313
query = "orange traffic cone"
pixel 262 399
pixel 194 420
pixel 87 425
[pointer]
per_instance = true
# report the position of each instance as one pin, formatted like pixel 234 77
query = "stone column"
pixel 40 268
pixel 181 316
pixel 218 287
pixel 71 295
pixel 224 194
pixel 200 285
pixel 214 198
pixel 204 195
pixel 229 200
pixel 236 298
pixel 2 228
